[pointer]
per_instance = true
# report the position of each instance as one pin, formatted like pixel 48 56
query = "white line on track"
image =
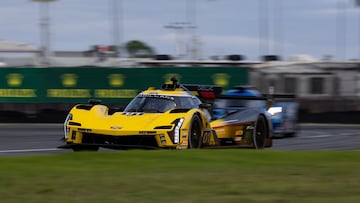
pixel 29 150
pixel 319 136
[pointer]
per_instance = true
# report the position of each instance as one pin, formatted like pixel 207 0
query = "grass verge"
pixel 182 176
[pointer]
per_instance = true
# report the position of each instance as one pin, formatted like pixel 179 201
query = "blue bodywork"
pixel 284 114
pixel 284 117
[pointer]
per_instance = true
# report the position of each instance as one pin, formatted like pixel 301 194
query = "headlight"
pixel 275 111
pixel 175 133
pixel 66 129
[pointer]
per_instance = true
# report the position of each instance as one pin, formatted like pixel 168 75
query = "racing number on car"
pixel 205 138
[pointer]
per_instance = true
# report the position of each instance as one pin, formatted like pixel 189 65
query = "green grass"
pixel 209 176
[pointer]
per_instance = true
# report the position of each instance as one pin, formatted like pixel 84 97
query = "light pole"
pixel 278 27
pixel 191 18
pixel 357 2
pixel 340 49
pixel 45 30
pixel 116 6
pixel 263 27
pixel 179 28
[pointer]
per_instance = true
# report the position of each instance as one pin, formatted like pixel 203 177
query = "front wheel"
pixel 260 133
pixel 195 132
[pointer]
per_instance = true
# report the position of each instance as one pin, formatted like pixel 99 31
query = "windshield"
pixel 160 103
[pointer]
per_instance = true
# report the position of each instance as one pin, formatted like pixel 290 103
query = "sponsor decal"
pixel 238 139
pixel 68 93
pixel 147 132
pixel 28 93
pixel 116 80
pixel 205 88
pixel 157 96
pixel 116 127
pixel 184 142
pixel 84 130
pixel 115 93
pixel 14 79
pixel 69 79
pixel 221 79
pixel 239 132
pixel 184 135
pixel 250 127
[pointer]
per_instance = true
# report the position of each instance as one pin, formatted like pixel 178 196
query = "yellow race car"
pixel 172 117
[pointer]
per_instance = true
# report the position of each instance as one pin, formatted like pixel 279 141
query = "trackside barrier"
pixel 112 85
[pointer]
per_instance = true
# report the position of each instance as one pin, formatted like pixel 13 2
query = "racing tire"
pixel 85 148
pixel 260 133
pixel 195 132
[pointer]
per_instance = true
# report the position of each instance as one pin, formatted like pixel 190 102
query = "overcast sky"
pixel 283 27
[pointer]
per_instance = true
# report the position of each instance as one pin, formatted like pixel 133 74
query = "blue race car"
pixel 283 113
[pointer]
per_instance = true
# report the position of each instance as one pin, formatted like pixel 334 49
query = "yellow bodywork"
pixel 241 134
pixel 89 119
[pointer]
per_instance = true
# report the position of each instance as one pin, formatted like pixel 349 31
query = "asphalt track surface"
pixel 29 139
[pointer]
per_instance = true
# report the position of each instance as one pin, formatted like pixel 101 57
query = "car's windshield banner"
pixel 157 96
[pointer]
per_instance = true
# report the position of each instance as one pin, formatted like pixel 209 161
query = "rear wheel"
pixel 195 132
pixel 260 133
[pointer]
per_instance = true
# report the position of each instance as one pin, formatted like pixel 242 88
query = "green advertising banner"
pixel 111 85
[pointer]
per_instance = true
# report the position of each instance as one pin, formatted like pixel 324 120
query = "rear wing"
pixel 262 97
pixel 204 91
pixel 281 96
pixel 269 98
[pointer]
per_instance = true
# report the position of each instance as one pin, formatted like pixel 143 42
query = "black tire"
pixel 260 133
pixel 195 132
pixel 85 148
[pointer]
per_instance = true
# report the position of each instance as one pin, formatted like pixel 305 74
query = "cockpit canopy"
pixel 156 103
